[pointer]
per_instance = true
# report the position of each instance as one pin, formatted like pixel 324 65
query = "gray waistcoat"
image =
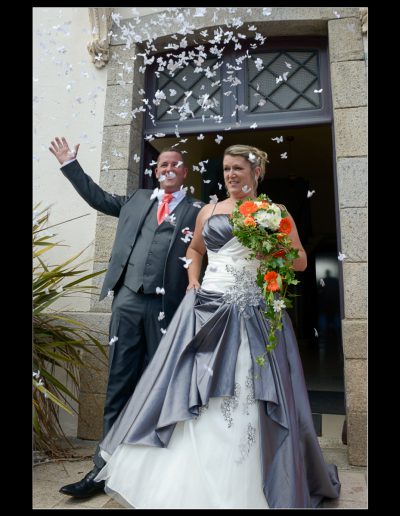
pixel 147 259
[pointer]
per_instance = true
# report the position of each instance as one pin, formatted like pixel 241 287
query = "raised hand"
pixel 61 150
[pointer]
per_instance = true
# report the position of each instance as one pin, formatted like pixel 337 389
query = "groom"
pixel 145 275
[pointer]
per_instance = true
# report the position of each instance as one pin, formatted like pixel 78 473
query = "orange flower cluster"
pixel 271 279
pixel 248 207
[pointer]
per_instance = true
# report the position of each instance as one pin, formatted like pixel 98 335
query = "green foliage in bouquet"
pixel 264 227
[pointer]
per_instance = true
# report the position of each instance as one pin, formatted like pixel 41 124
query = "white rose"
pixel 269 219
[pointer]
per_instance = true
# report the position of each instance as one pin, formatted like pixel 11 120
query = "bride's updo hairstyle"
pixel 255 156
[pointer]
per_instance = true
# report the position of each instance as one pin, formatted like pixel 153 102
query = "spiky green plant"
pixel 58 340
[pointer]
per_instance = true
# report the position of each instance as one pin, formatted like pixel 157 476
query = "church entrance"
pixel 292 122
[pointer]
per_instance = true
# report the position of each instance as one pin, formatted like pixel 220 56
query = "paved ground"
pixel 48 477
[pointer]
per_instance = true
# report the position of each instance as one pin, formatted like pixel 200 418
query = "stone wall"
pixel 349 92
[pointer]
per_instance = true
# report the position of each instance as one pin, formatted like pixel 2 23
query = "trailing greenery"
pixel 264 227
pixel 58 341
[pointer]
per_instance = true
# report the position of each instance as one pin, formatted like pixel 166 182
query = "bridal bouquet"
pixel 263 227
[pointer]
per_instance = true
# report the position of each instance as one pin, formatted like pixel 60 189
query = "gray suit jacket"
pixel 132 211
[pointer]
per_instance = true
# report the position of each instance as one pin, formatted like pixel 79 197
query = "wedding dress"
pixel 207 427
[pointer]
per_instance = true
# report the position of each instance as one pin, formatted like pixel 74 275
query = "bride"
pixel 207 427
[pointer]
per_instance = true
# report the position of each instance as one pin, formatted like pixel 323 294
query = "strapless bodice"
pixel 229 267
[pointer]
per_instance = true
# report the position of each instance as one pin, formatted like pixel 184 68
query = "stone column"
pixel 349 94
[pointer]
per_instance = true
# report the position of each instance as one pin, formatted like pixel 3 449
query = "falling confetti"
pixel 157 193
pixel 310 193
pixel 171 219
pixel 187 261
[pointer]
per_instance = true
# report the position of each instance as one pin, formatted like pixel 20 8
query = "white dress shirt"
pixel 177 198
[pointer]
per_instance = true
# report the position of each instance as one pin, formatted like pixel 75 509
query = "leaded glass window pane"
pixel 205 87
pixel 283 81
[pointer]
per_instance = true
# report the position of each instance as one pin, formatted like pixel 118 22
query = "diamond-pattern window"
pixel 273 86
pixel 285 82
pixel 205 98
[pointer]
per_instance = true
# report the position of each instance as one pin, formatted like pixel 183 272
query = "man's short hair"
pixel 171 149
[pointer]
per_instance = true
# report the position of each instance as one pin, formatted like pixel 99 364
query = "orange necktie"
pixel 163 209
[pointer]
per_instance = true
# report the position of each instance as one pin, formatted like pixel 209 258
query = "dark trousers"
pixel 134 321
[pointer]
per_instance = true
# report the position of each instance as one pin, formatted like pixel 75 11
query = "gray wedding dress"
pixel 206 426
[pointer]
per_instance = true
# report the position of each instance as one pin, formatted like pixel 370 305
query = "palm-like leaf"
pixel 58 340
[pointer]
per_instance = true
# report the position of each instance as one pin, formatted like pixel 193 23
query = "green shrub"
pixel 58 341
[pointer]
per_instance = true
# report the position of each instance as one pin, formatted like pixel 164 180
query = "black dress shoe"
pixel 86 487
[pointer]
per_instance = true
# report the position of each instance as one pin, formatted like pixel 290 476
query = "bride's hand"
pixel 193 284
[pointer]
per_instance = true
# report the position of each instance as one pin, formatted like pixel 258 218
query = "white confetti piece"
pixel 187 261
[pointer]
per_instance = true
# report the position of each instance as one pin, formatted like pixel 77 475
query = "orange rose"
pixel 285 226
pixel 247 208
pixel 279 254
pixel 249 221
pixel 271 279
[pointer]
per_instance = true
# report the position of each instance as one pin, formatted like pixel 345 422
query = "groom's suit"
pixel 144 256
